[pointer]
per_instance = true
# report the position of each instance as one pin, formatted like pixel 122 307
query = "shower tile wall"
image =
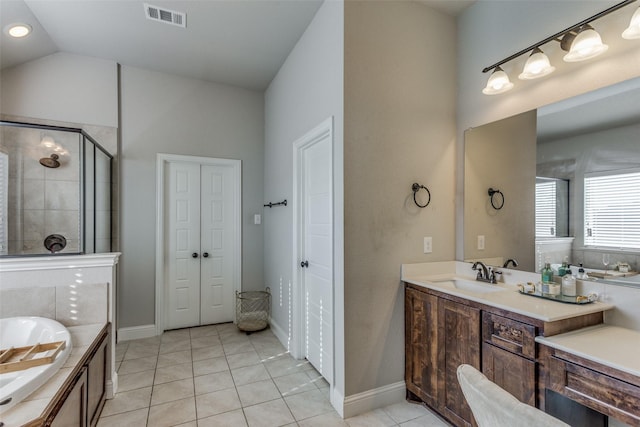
pixel 42 201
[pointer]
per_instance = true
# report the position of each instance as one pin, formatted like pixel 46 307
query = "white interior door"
pixel 317 247
pixel 183 240
pixel 201 239
pixel 217 264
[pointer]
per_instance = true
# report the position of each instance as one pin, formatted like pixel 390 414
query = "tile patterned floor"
pixel 217 376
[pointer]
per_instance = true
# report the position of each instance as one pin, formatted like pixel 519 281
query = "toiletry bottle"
pixel 568 285
pixel 582 275
pixel 564 268
pixel 547 272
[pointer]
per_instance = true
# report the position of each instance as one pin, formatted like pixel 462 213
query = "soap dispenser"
pixel 569 284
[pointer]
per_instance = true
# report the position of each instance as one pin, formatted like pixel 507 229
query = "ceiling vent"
pixel 167 16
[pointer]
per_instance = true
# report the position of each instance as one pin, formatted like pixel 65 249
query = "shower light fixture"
pixel 580 40
pixel 633 31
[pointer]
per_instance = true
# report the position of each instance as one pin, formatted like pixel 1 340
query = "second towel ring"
pixel 492 193
pixel 417 187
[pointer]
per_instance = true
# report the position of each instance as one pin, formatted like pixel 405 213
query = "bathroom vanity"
pixel 493 329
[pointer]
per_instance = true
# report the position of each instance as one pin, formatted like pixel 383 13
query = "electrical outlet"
pixel 480 243
pixel 428 245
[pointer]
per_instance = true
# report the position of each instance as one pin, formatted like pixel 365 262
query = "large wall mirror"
pixel 570 177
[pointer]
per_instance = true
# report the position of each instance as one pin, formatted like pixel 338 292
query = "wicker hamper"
pixel 252 310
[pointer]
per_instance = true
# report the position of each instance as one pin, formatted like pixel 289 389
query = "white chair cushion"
pixel 494 407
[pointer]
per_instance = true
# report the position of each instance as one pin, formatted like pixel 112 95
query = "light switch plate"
pixel 257 219
pixel 428 245
pixel 481 243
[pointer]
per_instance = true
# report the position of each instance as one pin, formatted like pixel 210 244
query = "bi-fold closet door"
pixel 200 245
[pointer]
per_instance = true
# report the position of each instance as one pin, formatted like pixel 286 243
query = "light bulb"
pixel 536 66
pixel 633 31
pixel 586 45
pixel 498 83
pixel 18 30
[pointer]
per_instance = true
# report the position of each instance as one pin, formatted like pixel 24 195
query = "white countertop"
pixel 611 346
pixel 427 275
pixel 32 407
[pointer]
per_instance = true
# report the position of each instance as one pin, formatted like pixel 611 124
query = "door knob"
pixel 194 255
pixel 205 254
pixel 304 264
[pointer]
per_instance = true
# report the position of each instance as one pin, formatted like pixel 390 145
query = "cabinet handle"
pixel 304 264
pixel 205 254
pixel 194 255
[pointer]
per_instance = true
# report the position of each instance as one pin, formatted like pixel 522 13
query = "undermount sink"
pixel 469 285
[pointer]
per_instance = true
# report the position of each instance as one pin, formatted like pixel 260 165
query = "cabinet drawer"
pixel 511 335
pixel 596 390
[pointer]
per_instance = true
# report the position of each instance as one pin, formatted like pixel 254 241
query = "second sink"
pixel 469 285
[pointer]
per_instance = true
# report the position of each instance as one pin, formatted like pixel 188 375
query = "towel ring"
pixel 417 187
pixel 492 193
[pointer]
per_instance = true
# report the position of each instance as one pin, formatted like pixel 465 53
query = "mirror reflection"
pixel 579 199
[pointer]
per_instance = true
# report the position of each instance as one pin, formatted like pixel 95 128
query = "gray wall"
pixel 162 113
pixel 306 91
pixel 399 129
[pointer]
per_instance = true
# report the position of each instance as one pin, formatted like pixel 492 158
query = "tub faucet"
pixel 511 261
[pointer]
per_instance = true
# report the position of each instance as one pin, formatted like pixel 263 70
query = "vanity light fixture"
pixel 498 83
pixel 633 31
pixel 18 30
pixel 537 66
pixel 585 44
pixel 580 40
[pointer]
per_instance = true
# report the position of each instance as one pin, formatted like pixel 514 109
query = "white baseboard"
pixel 282 336
pixel 369 400
pixel 136 332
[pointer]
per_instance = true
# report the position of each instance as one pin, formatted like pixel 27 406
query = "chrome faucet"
pixel 485 274
pixel 511 261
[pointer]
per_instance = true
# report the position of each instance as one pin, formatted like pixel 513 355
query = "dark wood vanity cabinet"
pixel 443 331
pixel 440 335
pixel 81 398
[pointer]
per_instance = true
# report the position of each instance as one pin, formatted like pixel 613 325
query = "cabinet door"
pixel 459 342
pixel 73 413
pixel 96 375
pixel 513 373
pixel 421 338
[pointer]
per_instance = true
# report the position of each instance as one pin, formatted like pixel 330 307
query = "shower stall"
pixel 55 191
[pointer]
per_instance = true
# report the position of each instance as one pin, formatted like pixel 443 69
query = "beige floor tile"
pixel 428 420
pixel 217 402
pixel 271 352
pixel 175 358
pixel 203 331
pixel 330 419
pixel 173 346
pixel 228 419
pixel 294 384
pixel 308 404
pixel 172 413
pixel 249 374
pixel 175 335
pixel 213 382
pixel 376 418
pixel 189 424
pixel 168 392
pixel 137 365
pixel 127 401
pixel 207 352
pixel 269 414
pixel 136 380
pixel 173 373
pixel 135 418
pixel 405 411
pixel 136 352
pixel 150 340
pixel 283 365
pixel 237 347
pixel 205 341
pixel 258 392
pixel 210 366
pixel 243 359
pixel 234 337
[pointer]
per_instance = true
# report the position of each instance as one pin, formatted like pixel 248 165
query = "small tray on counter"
pixel 578 299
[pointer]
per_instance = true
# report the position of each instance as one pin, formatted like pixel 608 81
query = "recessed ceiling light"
pixel 18 30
